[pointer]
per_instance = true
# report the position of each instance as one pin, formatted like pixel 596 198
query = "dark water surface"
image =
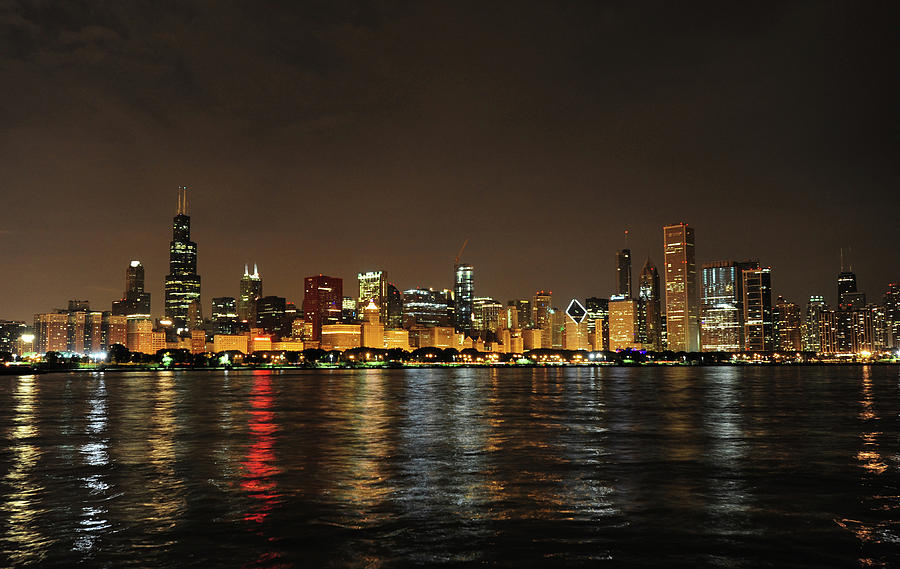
pixel 620 467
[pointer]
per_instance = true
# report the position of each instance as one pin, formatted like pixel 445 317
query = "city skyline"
pixel 396 133
pixel 183 222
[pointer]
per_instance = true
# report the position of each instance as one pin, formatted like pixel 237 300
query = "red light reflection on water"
pixel 259 465
pixel 259 470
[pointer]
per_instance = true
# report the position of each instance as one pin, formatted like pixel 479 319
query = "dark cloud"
pixel 340 136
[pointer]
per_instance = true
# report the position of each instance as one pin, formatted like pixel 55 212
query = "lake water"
pixel 622 467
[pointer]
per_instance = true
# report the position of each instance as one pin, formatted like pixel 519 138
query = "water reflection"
pixel 94 520
pixel 165 487
pixel 24 539
pixel 259 464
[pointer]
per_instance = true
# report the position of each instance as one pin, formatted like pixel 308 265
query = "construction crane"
pixel 461 249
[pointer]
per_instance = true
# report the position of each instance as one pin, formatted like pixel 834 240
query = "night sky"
pixel 339 137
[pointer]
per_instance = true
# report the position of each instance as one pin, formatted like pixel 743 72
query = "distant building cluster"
pixel 725 306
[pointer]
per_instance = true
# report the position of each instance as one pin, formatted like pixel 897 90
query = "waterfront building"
pixel 322 302
pixel 394 307
pixel 301 329
pixel 435 337
pixel 509 317
pixel 340 336
pixel 788 328
pixel 682 307
pixel 575 335
pixel 10 333
pixel 51 332
pixel 486 316
pixel 182 282
pixel 135 302
pixel 373 286
pixel 231 342
pixel 425 307
pixel 270 315
pixel 759 328
pixel 722 311
pixel 286 345
pixel 531 339
pixel 598 315
pixel 350 309
pixel 372 328
pixel 892 315
pixel 396 338
pixel 524 314
pixel 649 294
pixel 624 324
pixel 623 273
pixel 812 329
pixel 464 297
pixel 540 309
pixel 224 315
pixel 251 290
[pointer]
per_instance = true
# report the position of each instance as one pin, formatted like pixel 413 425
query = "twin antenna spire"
pixel 182 201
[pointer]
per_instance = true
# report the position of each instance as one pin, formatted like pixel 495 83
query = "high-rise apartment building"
pixel 322 302
pixel 892 315
pixel 182 282
pixel 788 328
pixel 649 295
pixel 812 329
pixel 251 290
pixel 759 328
pixel 623 273
pixel 464 297
pixel 682 306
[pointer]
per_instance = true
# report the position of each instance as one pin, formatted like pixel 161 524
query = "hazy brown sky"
pixel 339 137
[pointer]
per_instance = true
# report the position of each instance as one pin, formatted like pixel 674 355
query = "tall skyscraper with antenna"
pixel 182 282
pixel 251 291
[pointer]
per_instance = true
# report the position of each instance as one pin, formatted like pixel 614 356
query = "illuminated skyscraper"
pixel 394 303
pixel 812 329
pixel 135 302
pixel 373 286
pixel 598 313
pixel 251 291
pixel 224 315
pixel 523 307
pixel 425 307
pixel 464 297
pixel 624 329
pixel 892 315
pixel 682 306
pixel 270 315
pixel 788 328
pixel 623 273
pixel 649 295
pixel 722 322
pixel 540 309
pixel 182 282
pixel 322 302
pixel 759 328
pixel 486 317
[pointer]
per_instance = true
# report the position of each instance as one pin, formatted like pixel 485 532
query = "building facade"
pixel 182 282
pixel 682 303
